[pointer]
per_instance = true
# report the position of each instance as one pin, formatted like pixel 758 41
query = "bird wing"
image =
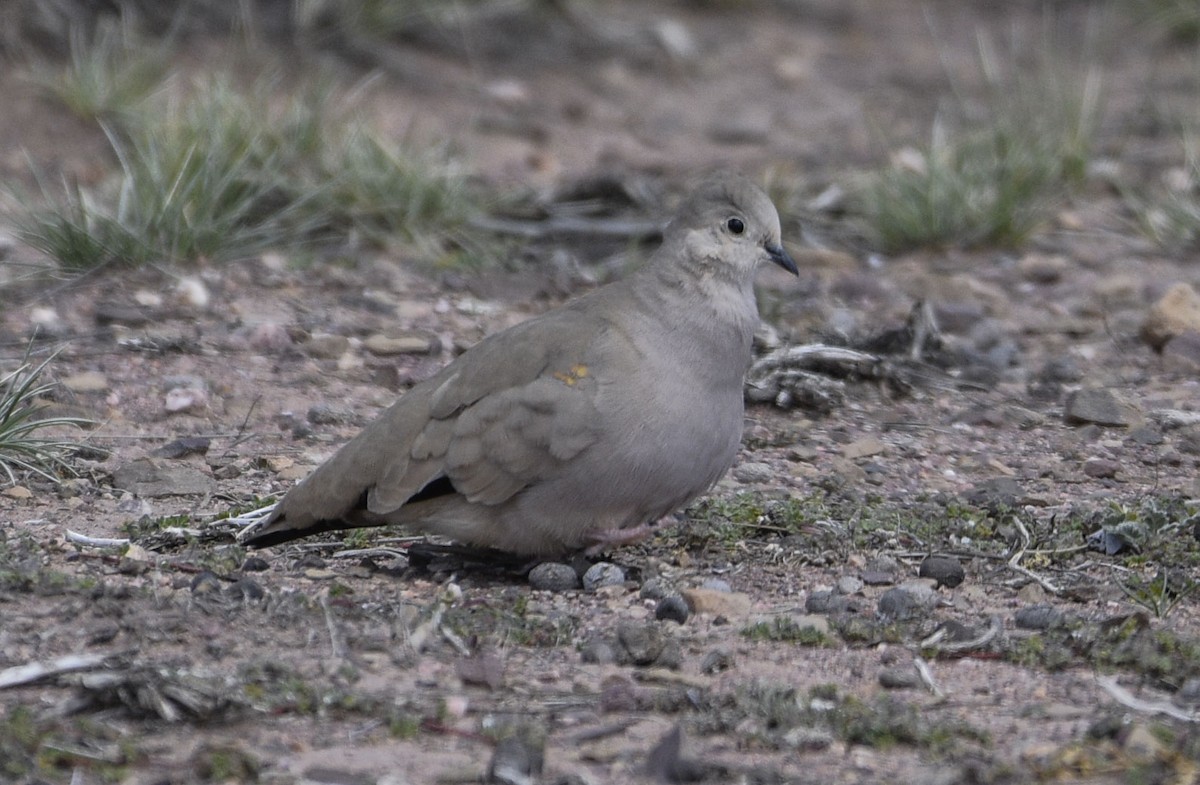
pixel 500 418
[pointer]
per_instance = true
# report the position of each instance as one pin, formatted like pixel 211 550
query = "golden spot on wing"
pixel 571 377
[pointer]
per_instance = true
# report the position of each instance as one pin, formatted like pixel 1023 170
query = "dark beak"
pixel 781 258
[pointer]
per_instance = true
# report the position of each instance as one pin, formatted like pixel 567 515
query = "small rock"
pixel 181 448
pixel 708 602
pixel 807 739
pixel 996 492
pixel 324 346
pixel 517 760
pixel 86 382
pixel 910 600
pixel 553 576
pixel 47 323
pixel 602 574
pixel 1101 468
pixel 245 590
pixel 1176 312
pixel 1189 694
pixel 716 584
pixel 1139 742
pixel 849 584
pixel 269 337
pixel 153 477
pixel 827 602
pixel 716 661
pixel 1146 434
pixel 675 37
pixel 18 492
pixel 899 678
pixel 655 589
pixel 1182 352
pixel 754 471
pixel 183 399
pixel 325 414
pixel 193 292
pixel 390 344
pixel 1042 269
pixel 255 564
pixel 673 608
pixel 1100 406
pixel 642 642
pixel 205 582
pixel 116 313
pixel 863 448
pixel 944 570
pixel 1039 617
pixel 598 651
pixel 876 577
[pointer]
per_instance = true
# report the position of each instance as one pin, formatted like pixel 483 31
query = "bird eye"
pixel 735 225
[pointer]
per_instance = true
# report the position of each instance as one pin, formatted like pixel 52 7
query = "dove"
pixel 576 428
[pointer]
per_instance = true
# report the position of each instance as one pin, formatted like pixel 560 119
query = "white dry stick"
pixel 1128 699
pixel 96 542
pixel 1020 554
pixel 978 642
pixel 336 644
pixel 927 677
pixel 35 671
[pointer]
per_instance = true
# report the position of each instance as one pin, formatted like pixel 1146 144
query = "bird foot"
pixel 611 538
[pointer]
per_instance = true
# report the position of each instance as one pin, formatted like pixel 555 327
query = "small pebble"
pixel 849 584
pixel 716 584
pixel 205 583
pixel 907 602
pixel 599 652
pixel 946 570
pixel 553 576
pixel 673 608
pixel 1038 617
pixel 754 472
pixel 324 414
pixel 899 678
pixel 826 602
pixel 643 643
pixel 602 574
pixel 1189 694
pixel 716 661
pixel 655 589
pixel 246 589
pixel 255 564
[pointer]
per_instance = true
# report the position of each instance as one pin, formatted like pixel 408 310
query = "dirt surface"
pixel 318 665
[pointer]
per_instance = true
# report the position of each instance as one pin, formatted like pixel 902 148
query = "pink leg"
pixel 613 538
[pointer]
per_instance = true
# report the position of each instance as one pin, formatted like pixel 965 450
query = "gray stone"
pixel 602 574
pixel 324 346
pixel 1101 468
pixel 390 344
pixel 655 589
pixel 152 477
pixel 899 678
pixel 716 661
pixel 849 584
pixel 1039 617
pixel 599 652
pixel 326 414
pixel 553 576
pixel 754 472
pixel 909 601
pixel 673 608
pixel 1099 406
pixel 945 570
pixel 643 643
